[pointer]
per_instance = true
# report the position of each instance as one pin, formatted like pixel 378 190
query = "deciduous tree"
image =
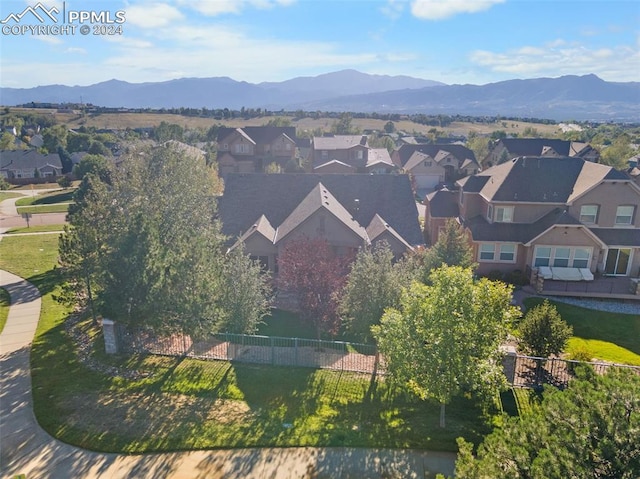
pixel 315 274
pixel 543 331
pixel 444 339
pixel 374 284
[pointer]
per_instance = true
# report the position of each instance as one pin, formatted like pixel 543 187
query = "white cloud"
pixel 213 8
pixel 152 15
pixel 393 9
pixel 441 9
pixel 76 50
pixel 619 63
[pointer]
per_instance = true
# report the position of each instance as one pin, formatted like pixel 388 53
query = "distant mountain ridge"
pixel 584 97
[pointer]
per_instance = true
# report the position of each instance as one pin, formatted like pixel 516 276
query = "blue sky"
pixel 452 41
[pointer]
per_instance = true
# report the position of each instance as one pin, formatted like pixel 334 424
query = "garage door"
pixel 427 181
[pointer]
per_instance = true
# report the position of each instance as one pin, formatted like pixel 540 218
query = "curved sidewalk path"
pixel 27 449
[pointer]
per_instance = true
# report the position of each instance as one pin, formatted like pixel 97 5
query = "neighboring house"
pixel 264 211
pixel 430 165
pixel 36 141
pixel 186 149
pixel 18 164
pixel 546 212
pixel 348 154
pixel 252 148
pixel 440 206
pixel 509 148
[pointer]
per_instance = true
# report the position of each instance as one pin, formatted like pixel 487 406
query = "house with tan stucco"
pixel 560 218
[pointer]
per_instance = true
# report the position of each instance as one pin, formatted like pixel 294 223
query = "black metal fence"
pixel 276 351
pixel 533 372
pixel 521 371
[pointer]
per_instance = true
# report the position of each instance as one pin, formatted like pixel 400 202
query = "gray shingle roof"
pixel 539 179
pixel 28 159
pixel 618 236
pixel 536 146
pixel 248 196
pixel 482 230
pixel 459 151
pixel 260 134
pixel 443 203
pixel 338 142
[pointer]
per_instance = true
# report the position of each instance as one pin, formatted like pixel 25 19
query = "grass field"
pixel 49 198
pixel 6 195
pixel 188 404
pixel 608 336
pixel 139 120
pixel 35 229
pixel 41 209
pixel 5 302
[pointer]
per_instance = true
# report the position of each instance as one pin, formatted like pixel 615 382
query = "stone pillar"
pixel 110 336
pixel 509 361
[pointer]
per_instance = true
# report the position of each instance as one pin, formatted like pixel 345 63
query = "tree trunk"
pixel 90 295
pixel 442 423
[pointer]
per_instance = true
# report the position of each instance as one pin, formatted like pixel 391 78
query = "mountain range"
pixel 586 97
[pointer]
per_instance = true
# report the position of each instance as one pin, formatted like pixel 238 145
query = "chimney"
pixel 363 140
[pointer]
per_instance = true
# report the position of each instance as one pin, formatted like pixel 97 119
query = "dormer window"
pixel 427 163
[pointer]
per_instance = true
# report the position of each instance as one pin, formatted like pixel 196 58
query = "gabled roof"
pixel 415 159
pixel 442 154
pixel 319 198
pixel 443 203
pixel 536 146
pixel 539 179
pixel 333 163
pixel 338 142
pixel 379 226
pixel 261 227
pixel 378 156
pixel 482 230
pixel 248 196
pixel 28 159
pixel 259 134
pixel 461 152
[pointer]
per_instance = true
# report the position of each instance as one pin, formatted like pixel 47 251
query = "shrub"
pixel 543 331
pixel 495 275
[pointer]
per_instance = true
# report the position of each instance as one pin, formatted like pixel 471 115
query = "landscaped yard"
pixel 608 336
pixel 52 202
pixel 35 229
pixel 5 195
pixel 185 404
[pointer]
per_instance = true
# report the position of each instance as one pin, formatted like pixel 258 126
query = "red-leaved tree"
pixel 311 270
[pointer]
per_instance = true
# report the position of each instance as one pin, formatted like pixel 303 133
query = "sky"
pixel 451 41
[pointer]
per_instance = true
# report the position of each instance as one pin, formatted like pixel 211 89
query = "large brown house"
pixel 348 154
pixel 509 148
pixel 264 212
pixel 252 148
pixel 546 212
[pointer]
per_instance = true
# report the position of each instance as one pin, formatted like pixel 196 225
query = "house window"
pixel 359 154
pixel 427 163
pixel 588 214
pixel 242 148
pixel 581 258
pixel 624 215
pixel 225 146
pixel 324 154
pixel 287 146
pixel 561 257
pixel 507 252
pixel 487 252
pixel 504 214
pixel 490 213
pixel 542 256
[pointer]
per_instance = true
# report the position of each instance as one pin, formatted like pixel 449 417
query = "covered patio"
pixel 609 287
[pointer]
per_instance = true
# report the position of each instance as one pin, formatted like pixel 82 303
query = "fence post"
pixel 110 336
pixel 273 352
pixel 295 345
pixel 509 364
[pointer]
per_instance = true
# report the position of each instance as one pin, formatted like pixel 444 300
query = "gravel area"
pixel 601 305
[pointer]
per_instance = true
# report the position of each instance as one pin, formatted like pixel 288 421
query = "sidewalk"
pixel 26 449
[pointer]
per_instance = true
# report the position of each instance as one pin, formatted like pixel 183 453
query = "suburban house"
pixel 19 164
pixel 263 212
pixel 560 218
pixel 251 149
pixel 348 154
pixel 508 148
pixel 430 165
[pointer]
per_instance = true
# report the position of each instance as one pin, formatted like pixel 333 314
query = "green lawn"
pixel 50 198
pixel 5 302
pixel 608 336
pixel 5 195
pixel 189 404
pixel 35 229
pixel 41 209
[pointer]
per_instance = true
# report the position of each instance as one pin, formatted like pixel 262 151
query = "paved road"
pixel 26 449
pixel 9 217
